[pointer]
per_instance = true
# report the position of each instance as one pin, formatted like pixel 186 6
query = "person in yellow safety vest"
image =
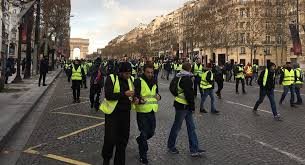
pixel 197 71
pixel 207 84
pixel 179 67
pixel 249 74
pixel 146 91
pixel 288 80
pixel 116 106
pixel 184 109
pixel 266 82
pixel 175 66
pixel 240 77
pixel 68 70
pixel 157 66
pixel 299 83
pixel 134 71
pixel 77 76
pixel 84 80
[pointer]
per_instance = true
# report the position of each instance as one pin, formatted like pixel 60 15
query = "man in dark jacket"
pixel 185 107
pixel 96 83
pixel 117 124
pixel 266 82
pixel 43 71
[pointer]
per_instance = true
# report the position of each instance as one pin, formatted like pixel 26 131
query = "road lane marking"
pixel 80 115
pixel 64 159
pixel 70 105
pixel 163 84
pixel 288 154
pixel 247 106
pixel 81 130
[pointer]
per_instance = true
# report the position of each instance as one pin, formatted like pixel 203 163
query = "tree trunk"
pixel 27 73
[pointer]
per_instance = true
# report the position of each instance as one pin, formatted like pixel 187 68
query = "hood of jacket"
pixel 183 73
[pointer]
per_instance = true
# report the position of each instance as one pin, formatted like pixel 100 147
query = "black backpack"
pixel 173 87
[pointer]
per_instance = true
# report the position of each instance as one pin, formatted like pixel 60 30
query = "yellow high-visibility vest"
pixel 181 97
pixel 198 70
pixel 179 67
pixel 289 77
pixel 156 66
pixel 108 106
pixel 299 76
pixel 241 73
pixel 149 96
pixel 204 84
pixel 76 74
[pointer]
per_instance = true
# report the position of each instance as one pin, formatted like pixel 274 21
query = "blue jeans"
pixel 179 117
pixel 298 93
pixel 262 94
pixel 208 92
pixel 196 84
pixel 292 91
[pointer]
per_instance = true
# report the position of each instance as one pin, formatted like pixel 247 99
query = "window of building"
pixel 268 39
pixel 242 38
pixel 242 50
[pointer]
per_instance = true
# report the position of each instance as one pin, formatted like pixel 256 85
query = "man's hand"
pixel 129 93
pixel 136 100
pixel 158 97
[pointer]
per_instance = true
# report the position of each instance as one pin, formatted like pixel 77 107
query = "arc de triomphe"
pixel 82 44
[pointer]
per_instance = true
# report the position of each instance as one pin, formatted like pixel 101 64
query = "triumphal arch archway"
pixel 82 44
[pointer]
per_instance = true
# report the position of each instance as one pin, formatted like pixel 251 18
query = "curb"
pixel 28 110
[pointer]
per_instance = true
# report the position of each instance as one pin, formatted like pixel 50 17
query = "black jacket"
pixel 124 103
pixel 186 84
pixel 44 66
pixel 270 84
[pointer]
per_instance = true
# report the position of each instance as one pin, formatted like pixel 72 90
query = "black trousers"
pixel 247 80
pixel 147 126
pixel 43 77
pixel 84 82
pixel 220 86
pixel 242 83
pixel 117 128
pixel 76 89
pixel 95 92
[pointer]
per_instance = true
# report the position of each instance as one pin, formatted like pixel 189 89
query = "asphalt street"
pixel 69 133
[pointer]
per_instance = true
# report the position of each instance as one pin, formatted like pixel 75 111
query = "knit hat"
pixel 124 67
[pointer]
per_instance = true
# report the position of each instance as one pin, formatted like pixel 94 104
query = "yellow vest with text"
pixel 181 97
pixel 76 74
pixel 149 96
pixel 204 84
pixel 108 106
pixel 289 77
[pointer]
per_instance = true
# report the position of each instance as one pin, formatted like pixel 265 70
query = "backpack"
pixel 173 87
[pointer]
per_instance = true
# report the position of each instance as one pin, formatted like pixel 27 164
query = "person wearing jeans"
pixel 266 82
pixel 184 107
pixel 288 80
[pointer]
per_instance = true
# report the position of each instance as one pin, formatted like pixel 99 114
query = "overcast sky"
pixel 103 20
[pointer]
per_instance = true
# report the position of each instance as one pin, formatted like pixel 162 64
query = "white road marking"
pixel 71 105
pixel 247 106
pixel 288 154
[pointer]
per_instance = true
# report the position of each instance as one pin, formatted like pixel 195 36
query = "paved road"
pixel 73 134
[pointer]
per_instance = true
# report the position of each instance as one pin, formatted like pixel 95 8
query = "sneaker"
pixel 281 102
pixel 144 161
pixel 198 153
pixel 293 106
pixel 173 151
pixel 78 101
pixel 277 117
pixel 91 106
pixel 203 111
pixel 74 101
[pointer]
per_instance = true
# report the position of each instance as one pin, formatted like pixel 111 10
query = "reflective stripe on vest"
pixel 204 84
pixel 241 74
pixel 181 97
pixel 108 106
pixel 149 96
pixel 76 74
pixel 198 70
pixel 288 77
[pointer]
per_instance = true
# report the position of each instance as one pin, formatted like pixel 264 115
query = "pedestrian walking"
pixel 184 107
pixel 96 74
pixel 288 80
pixel 207 85
pixel 299 83
pixel 146 91
pixel 197 71
pixel 157 66
pixel 117 106
pixel 249 74
pixel 266 82
pixel 44 64
pixel 219 79
pixel 240 77
pixel 77 78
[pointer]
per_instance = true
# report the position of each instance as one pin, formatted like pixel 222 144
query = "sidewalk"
pixel 18 101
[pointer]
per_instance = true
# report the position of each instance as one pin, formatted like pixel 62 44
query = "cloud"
pixel 103 20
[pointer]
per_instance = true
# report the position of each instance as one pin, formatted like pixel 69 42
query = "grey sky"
pixel 102 20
